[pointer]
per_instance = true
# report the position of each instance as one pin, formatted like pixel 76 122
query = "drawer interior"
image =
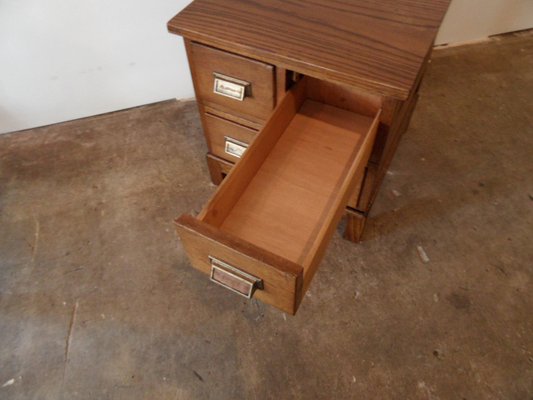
pixel 289 199
pixel 275 213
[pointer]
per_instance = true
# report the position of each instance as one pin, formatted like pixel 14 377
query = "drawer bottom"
pixel 220 168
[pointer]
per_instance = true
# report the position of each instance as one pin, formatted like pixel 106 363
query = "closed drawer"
pixel 233 83
pixel 227 139
pixel 265 230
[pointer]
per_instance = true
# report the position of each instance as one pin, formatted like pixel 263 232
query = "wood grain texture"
pixel 375 45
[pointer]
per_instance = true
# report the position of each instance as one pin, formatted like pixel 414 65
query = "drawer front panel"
pixel 280 281
pixel 226 139
pixel 232 83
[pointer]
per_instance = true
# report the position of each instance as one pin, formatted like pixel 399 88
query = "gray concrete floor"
pixel 98 301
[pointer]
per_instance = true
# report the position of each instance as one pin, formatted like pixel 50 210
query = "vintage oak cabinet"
pixel 303 104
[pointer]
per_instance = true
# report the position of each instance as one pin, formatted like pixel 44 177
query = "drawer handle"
pixel 234 147
pixel 234 279
pixel 231 87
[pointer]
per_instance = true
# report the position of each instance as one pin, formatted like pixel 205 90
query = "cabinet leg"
pixel 355 225
pixel 218 168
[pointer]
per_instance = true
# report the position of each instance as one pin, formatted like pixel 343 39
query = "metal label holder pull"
pixel 231 87
pixel 234 147
pixel 234 279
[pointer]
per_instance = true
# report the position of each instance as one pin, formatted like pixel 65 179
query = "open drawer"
pixel 266 229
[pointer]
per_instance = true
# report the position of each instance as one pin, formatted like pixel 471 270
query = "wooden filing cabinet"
pixel 303 105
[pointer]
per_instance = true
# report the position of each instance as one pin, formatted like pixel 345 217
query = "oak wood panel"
pixel 217 129
pixel 282 279
pixel 257 105
pixel 376 45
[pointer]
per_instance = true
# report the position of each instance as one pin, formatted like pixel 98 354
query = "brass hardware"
pixel 234 147
pixel 231 87
pixel 234 279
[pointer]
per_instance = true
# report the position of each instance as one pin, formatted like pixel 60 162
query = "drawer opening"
pixel 290 198
pixel 281 203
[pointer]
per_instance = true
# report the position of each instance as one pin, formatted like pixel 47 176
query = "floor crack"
pixel 69 337
pixel 36 239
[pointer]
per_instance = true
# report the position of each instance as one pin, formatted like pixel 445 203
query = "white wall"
pixel 66 59
pixel 470 20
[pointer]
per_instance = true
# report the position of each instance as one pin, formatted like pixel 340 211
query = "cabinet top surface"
pixel 376 45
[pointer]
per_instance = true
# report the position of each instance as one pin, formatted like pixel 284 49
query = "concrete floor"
pixel 98 301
